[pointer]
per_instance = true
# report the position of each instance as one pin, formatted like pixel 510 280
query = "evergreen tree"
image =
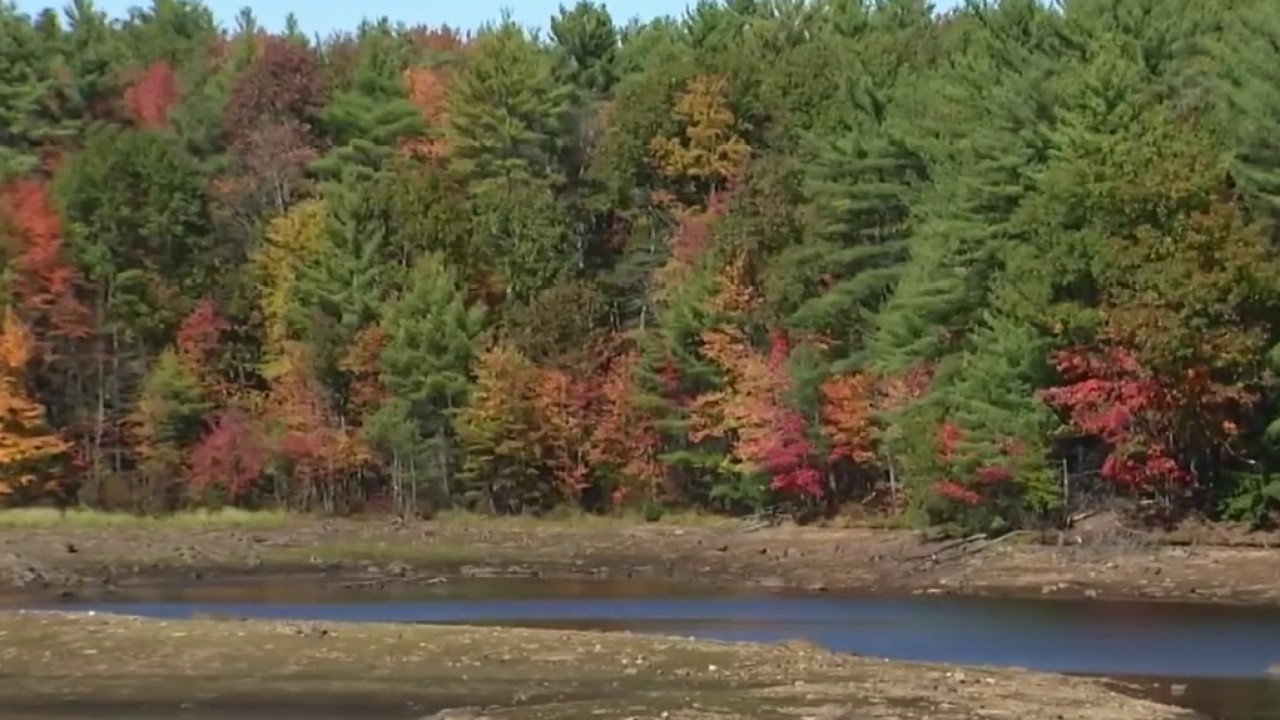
pixel 431 335
pixel 24 85
pixel 367 120
pixel 507 113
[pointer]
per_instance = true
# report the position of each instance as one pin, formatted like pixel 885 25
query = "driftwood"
pixel 933 554
pixel 965 547
pixel 976 548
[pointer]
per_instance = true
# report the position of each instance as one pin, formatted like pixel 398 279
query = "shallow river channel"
pixel 1211 658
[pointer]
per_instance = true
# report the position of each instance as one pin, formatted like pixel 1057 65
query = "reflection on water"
pixel 1210 658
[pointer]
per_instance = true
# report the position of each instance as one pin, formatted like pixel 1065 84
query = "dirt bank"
pixel 58 663
pixel 85 561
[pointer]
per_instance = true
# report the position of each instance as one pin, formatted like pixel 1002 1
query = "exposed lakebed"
pixel 1211 658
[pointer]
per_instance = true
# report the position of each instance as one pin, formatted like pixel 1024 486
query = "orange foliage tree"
pixel 563 405
pixel 750 411
pixel 846 416
pixel 359 362
pixel 624 435
pixel 27 445
pixel 320 453
pixel 427 88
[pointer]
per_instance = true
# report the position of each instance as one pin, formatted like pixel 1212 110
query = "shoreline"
pixel 86 562
pixel 418 671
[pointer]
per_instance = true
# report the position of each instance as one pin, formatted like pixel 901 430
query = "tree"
pixel 430 336
pixel 368 120
pixel 709 150
pixel 625 439
pixel 292 241
pixel 28 447
pixel 283 85
pixel 44 282
pixel 136 219
pixel 24 85
pixel 152 96
pixel 586 36
pixel 562 407
pixel 167 419
pixel 427 88
pixel 495 429
pixel 506 113
pixel 231 457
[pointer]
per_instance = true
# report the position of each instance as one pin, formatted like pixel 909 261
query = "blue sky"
pixel 324 16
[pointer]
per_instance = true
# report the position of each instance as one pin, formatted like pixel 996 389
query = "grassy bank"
pixel 76 518
pixel 54 660
pixel 44 517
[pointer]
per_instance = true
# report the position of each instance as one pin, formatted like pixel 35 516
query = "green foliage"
pixel 507 113
pixel 1253 498
pixel 367 121
pixel 946 262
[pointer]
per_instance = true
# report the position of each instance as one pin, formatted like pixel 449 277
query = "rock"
pixel 316 631
pixel 1274 669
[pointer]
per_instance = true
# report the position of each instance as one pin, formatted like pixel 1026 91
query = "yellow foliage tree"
pixel 710 151
pixel 290 239
pixel 496 430
pixel 27 445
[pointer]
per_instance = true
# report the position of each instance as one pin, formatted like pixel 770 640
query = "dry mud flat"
pixel 56 664
pixel 1106 564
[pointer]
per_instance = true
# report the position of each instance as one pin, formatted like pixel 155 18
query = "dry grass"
pixel 575 519
pixel 231 518
pixel 235 518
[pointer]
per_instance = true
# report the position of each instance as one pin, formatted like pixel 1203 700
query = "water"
pixel 1219 653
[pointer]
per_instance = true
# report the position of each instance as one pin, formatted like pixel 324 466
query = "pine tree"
pixel 586 36
pixel 507 112
pixel 24 86
pixel 1248 89
pixel 430 337
pixel 342 285
pixel 368 120
pixel 167 419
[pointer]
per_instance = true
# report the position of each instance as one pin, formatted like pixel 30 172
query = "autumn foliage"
pixel 152 96
pixel 742 260
pixel 45 282
pixel 27 445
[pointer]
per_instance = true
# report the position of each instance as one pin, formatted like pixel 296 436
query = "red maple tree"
pixel 232 455
pixel 44 282
pixel 1110 395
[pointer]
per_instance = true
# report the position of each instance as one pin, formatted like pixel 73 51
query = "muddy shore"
pixel 86 562
pixel 57 663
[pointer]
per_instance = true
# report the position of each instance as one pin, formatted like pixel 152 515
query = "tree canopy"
pixel 970 266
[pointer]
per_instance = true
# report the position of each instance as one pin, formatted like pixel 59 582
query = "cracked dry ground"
pixel 133 667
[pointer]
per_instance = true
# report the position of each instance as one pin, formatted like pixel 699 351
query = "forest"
pixel 969 267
